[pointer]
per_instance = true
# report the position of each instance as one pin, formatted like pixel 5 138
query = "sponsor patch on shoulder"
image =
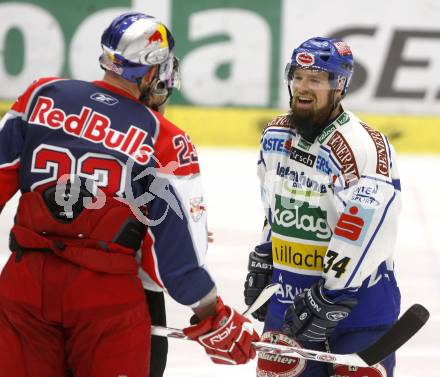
pixel 382 165
pixel 344 154
pixel 353 224
pixel 343 118
pixel 367 195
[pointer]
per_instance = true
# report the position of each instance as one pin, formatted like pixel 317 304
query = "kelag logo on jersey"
pixel 300 221
pixel 353 224
pixel 104 98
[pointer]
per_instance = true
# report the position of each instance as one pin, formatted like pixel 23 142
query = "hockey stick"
pixel 266 294
pixel 404 329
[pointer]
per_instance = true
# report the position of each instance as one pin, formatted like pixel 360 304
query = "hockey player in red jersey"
pixel 107 185
pixel 331 192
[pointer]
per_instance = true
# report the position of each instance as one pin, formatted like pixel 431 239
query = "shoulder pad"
pixel 21 103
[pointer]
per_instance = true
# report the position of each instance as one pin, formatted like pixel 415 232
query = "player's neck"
pixel 127 86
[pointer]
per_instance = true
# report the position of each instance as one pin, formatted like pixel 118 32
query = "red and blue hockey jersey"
pixel 101 133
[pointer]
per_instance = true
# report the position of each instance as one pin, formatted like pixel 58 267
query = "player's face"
pixel 311 92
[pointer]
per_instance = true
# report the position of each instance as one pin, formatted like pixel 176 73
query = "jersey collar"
pixel 114 89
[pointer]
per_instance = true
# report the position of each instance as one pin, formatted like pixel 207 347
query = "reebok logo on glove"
pixel 227 336
pixel 223 335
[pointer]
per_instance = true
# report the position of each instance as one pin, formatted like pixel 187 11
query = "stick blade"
pixel 407 325
pixel 265 295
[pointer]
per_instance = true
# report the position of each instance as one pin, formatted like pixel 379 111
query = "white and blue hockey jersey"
pixel 331 210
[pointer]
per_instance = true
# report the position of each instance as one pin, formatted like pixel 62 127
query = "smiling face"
pixel 313 100
pixel 311 91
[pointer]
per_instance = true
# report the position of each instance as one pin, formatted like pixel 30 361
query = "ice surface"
pixel 235 217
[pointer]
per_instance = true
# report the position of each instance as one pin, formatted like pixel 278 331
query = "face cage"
pixel 169 72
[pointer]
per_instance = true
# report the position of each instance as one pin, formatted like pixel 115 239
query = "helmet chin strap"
pixel 290 95
pixel 335 103
pixel 334 106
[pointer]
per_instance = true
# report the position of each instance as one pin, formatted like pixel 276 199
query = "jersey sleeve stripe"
pixel 10 165
pixel 155 137
pixel 149 258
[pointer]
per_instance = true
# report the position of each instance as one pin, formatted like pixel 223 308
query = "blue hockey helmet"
pixel 324 54
pixel 135 42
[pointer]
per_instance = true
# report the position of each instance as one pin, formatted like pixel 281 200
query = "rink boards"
pixel 232 127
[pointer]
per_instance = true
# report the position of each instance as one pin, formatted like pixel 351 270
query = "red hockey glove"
pixel 227 336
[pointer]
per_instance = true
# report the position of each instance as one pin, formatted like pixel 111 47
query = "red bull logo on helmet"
pixel 159 37
pixel 155 37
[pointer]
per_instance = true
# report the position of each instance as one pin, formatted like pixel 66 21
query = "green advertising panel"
pixel 233 52
pixel 236 43
pixel 227 48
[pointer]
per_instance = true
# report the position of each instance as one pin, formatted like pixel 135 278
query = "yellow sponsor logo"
pixel 298 255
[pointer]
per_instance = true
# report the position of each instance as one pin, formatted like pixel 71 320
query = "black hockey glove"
pixel 260 269
pixel 313 317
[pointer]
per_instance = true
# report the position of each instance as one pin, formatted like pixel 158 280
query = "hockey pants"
pixel 55 315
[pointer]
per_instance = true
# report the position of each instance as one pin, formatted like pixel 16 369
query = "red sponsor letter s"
pixel 350 226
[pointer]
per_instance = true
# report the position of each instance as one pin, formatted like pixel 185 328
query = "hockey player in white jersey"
pixel 331 193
